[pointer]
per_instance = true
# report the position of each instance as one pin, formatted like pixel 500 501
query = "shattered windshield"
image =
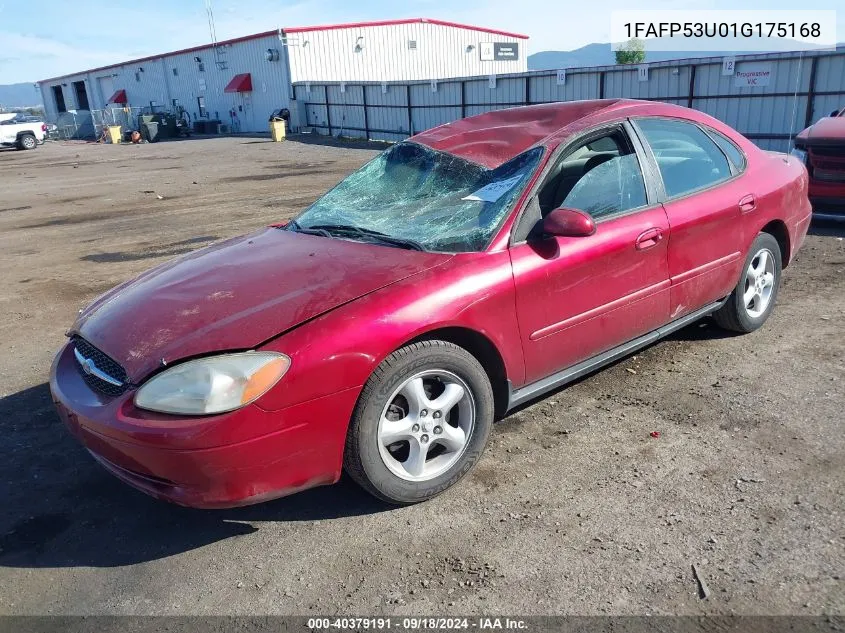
pixel 421 198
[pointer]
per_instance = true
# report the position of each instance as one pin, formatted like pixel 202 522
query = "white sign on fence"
pixel 753 74
pixel 434 85
pixel 642 72
pixel 561 77
pixel 491 81
pixel 383 88
pixel 728 65
pixel 343 87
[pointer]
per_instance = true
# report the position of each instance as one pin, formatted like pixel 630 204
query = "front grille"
pixel 105 364
pixel 828 175
pixel 836 152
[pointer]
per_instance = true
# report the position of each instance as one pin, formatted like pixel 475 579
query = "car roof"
pixel 495 137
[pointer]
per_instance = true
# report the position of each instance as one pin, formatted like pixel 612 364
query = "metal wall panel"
pixel 438 107
pixel 788 76
pixel 825 104
pixel 347 115
pixel 383 53
pixel 507 90
pixel 663 82
pixel 763 115
pixel 313 98
pixel 581 85
pixel 770 115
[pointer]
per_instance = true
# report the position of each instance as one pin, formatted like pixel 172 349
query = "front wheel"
pixel 753 299
pixel 421 422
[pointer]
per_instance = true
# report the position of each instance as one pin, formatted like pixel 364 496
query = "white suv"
pixel 17 131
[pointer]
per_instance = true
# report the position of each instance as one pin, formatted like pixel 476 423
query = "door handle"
pixel 649 238
pixel 747 203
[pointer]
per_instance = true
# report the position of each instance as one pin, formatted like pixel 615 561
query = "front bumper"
pixel 239 458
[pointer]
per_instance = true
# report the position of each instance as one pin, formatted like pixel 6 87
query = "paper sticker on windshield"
pixel 495 190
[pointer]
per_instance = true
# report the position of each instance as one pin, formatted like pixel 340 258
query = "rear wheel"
pixel 421 423
pixel 753 299
pixel 27 141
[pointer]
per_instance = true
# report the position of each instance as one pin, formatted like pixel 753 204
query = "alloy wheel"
pixel 759 283
pixel 426 425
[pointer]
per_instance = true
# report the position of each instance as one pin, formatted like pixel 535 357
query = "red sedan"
pixel 457 275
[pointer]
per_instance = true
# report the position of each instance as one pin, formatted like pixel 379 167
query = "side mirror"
pixel 835 113
pixel 565 222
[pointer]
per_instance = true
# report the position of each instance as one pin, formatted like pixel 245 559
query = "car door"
pixel 579 296
pixel 705 199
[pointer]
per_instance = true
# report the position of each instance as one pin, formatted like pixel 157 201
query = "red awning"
pixel 240 83
pixel 118 97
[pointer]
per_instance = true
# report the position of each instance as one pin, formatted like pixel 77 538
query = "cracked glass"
pixel 437 200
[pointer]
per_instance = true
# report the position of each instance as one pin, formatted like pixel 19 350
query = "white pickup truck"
pixel 17 131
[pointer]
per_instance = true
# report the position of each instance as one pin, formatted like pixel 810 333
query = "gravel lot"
pixel 574 508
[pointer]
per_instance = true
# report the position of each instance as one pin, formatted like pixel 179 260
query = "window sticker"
pixel 494 190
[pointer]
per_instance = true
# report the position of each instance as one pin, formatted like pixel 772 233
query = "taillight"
pixel 43 127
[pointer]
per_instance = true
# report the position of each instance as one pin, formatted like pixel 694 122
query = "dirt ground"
pixel 574 509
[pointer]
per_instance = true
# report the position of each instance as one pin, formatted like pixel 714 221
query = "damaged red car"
pixel 460 274
pixel 822 147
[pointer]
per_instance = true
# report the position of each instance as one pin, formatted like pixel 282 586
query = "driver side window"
pixel 602 177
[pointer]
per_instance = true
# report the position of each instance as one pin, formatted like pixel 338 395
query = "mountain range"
pixel 601 54
pixel 19 96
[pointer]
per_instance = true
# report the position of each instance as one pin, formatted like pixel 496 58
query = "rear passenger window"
pixel 733 153
pixel 688 159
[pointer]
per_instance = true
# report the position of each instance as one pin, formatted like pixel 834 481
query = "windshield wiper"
pixel 378 236
pixel 293 224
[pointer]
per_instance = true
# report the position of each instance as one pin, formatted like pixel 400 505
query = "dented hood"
pixel 238 294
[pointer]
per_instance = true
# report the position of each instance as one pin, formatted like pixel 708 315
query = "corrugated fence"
pixel 769 97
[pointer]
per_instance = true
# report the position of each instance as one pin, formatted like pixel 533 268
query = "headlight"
pixel 213 385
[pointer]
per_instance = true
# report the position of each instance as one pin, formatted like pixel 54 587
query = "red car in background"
pixel 823 148
pixel 459 274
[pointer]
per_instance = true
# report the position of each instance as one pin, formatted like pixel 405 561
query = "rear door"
pixel 579 296
pixel 706 201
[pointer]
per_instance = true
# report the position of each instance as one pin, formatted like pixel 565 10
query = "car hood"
pixel 828 131
pixel 237 294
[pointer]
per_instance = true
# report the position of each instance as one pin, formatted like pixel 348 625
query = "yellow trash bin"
pixel 277 130
pixel 114 134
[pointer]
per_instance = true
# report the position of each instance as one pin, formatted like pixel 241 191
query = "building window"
pixel 412 45
pixel 138 77
pixel 59 97
pixel 201 106
pixel 81 95
pixel 175 72
pixel 201 67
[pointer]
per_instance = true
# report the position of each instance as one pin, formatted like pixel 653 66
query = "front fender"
pixel 341 349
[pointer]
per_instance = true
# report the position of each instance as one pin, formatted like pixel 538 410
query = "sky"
pixel 46 38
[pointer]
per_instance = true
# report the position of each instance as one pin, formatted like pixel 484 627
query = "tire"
pixel 27 141
pixel 763 262
pixel 391 471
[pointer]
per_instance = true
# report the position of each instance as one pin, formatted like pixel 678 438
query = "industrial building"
pixel 240 81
